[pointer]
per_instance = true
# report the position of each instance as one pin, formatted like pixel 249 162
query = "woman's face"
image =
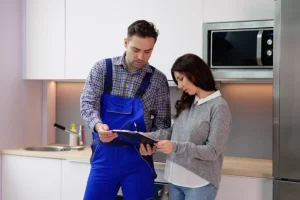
pixel 185 84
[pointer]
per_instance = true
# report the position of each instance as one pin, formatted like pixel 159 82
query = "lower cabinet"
pixel 42 178
pixel 0 177
pixel 55 179
pixel 74 178
pixel 30 178
pixel 246 188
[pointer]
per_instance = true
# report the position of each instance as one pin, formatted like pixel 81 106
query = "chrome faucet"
pixel 80 133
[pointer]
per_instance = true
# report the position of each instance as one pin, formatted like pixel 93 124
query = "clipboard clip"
pixel 135 126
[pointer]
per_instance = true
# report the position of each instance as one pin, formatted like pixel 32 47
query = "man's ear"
pixel 125 42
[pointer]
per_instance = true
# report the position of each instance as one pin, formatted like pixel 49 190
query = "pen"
pixel 136 128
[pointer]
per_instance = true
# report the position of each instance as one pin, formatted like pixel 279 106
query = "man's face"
pixel 138 51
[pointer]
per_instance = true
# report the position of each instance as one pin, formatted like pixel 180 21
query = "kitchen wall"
pixel 68 111
pixel 251 107
pixel 0 176
pixel 21 101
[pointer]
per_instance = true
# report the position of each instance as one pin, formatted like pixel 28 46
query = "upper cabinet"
pixel 44 45
pixel 237 10
pixel 65 38
pixel 96 30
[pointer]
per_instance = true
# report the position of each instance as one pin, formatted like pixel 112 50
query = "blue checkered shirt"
pixel 156 99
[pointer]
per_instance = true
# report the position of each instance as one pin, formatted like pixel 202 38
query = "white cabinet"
pixel 45 178
pixel 74 178
pixel 96 30
pixel 64 38
pixel 44 56
pixel 237 10
pixel 30 178
pixel 246 188
pixel 0 176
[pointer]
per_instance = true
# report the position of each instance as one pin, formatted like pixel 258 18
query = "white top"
pixel 180 176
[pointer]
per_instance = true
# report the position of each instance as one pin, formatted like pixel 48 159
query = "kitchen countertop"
pixel 235 166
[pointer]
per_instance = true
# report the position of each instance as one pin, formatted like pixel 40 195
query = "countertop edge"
pixel 235 166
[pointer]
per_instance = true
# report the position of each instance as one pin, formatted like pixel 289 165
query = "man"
pixel 124 93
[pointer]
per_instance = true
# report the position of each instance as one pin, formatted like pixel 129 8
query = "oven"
pixel 161 192
pixel 161 188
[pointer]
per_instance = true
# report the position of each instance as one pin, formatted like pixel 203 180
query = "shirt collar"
pixel 209 97
pixel 120 61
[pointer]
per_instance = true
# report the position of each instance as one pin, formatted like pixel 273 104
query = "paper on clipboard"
pixel 136 136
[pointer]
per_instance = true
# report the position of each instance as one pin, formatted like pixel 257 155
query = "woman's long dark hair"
pixel 198 72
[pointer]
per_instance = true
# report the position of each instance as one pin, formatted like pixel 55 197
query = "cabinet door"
pixel 237 10
pixel 74 178
pixel 246 188
pixel 96 30
pixel 44 39
pixel 0 176
pixel 30 178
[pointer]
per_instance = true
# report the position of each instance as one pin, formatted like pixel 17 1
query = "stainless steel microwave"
pixel 238 45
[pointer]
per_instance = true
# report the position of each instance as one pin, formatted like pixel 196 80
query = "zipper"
pixel 144 159
pixel 92 158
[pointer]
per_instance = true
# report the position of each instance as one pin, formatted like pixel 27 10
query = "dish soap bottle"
pixel 73 139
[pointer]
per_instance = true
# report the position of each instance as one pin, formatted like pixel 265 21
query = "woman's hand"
pixel 165 146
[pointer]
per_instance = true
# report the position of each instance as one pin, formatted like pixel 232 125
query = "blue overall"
pixel 118 163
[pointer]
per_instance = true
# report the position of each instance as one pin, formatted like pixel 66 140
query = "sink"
pixel 48 148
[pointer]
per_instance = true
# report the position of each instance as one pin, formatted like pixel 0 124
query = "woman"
pixel 195 143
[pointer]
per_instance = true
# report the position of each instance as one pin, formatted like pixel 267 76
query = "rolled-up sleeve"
pixel 91 95
pixel 162 119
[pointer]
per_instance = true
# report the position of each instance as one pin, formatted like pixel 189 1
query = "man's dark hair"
pixel 198 72
pixel 142 28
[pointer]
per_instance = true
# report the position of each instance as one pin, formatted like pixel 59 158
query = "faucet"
pixel 79 134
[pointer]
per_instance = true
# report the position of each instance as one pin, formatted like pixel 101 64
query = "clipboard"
pixel 134 135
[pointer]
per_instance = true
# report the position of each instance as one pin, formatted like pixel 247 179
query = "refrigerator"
pixel 286 101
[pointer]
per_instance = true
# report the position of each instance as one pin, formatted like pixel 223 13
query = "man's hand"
pixel 165 146
pixel 105 134
pixel 146 150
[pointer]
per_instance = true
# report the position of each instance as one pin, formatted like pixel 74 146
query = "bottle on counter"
pixel 73 139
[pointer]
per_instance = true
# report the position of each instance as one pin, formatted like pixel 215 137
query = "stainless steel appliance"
pixel 161 192
pixel 286 93
pixel 240 45
pixel 239 50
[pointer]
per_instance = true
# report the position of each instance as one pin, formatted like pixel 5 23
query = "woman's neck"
pixel 202 93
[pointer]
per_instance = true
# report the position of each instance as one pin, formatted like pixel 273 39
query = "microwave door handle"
pixel 258 47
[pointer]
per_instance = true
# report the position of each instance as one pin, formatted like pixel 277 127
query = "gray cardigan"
pixel 199 137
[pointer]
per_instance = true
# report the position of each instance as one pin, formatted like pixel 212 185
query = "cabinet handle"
pixel 258 47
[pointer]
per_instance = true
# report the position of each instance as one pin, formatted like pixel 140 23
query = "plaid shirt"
pixel 156 99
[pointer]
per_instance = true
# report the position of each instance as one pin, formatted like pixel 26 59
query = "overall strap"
pixel 144 85
pixel 108 77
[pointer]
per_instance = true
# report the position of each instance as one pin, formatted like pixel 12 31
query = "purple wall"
pixel 20 101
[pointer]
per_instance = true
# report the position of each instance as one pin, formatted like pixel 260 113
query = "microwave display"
pixel 248 47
